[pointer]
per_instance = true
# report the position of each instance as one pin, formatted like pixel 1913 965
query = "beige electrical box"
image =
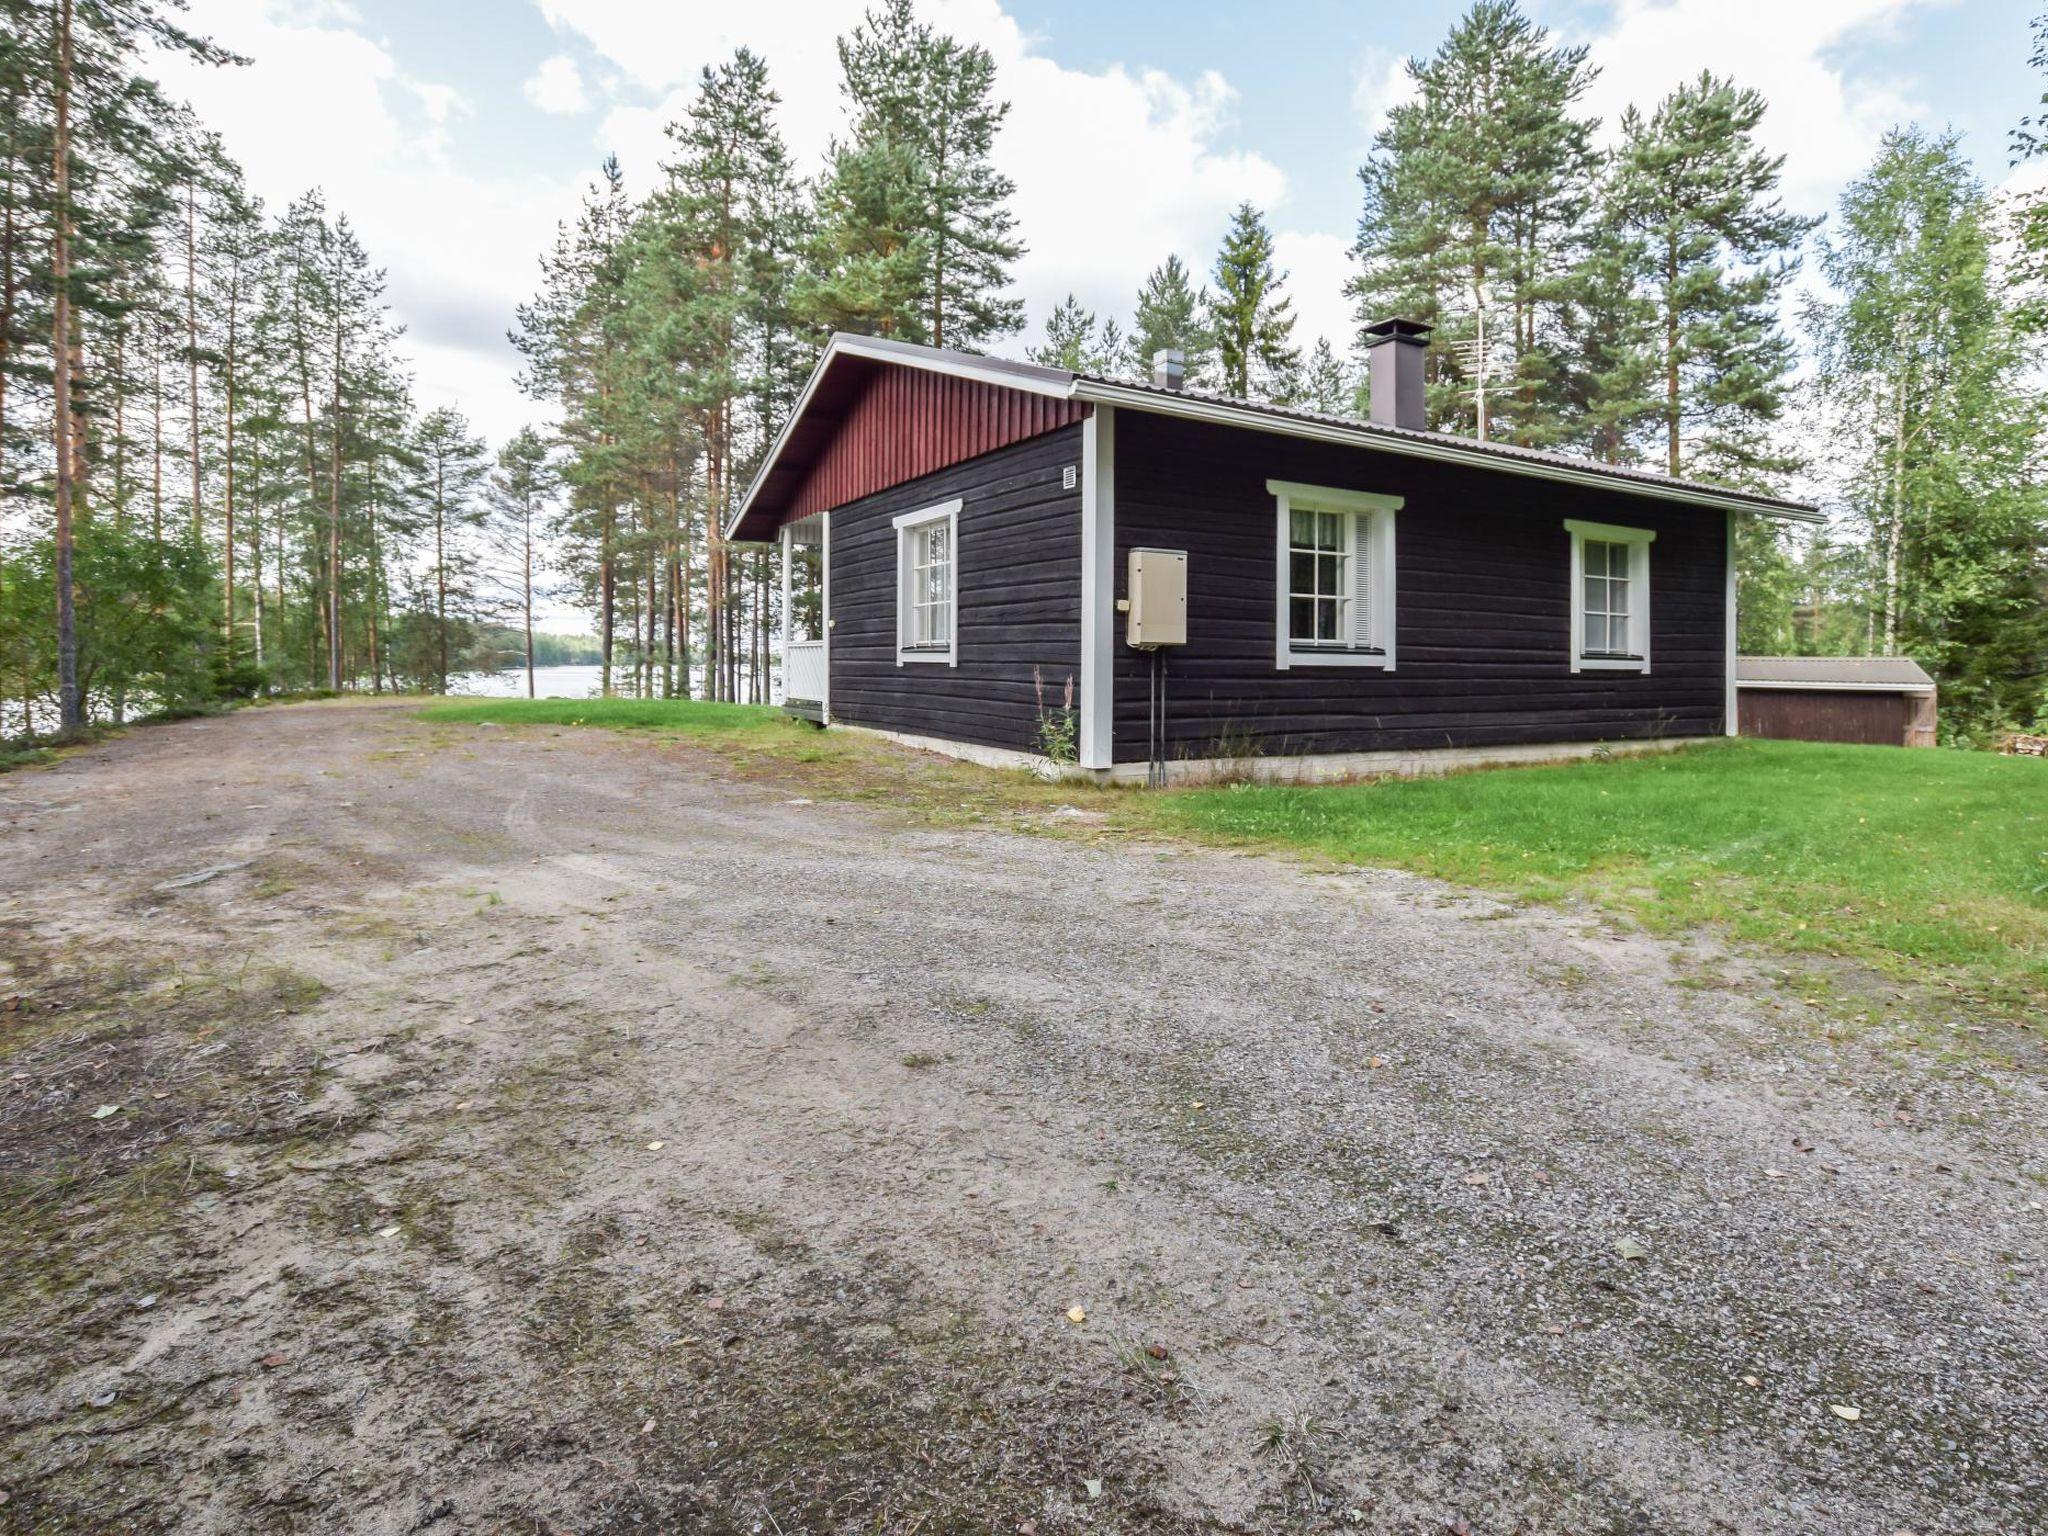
pixel 1157 612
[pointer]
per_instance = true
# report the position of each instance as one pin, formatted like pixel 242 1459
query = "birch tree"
pixel 1926 374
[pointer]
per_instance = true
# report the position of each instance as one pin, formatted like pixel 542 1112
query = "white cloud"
pixel 440 103
pixel 460 248
pixel 1379 83
pixel 1825 125
pixel 1115 168
pixel 557 87
pixel 1317 266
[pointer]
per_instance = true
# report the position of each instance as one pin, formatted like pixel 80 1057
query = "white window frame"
pixel 906 524
pixel 1638 541
pixel 1369 524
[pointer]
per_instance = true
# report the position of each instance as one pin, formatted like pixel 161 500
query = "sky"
pixel 456 133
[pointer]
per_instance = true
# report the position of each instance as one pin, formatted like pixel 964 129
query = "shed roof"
pixel 1878 674
pixel 784 467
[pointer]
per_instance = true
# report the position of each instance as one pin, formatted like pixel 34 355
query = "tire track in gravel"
pixel 900 1072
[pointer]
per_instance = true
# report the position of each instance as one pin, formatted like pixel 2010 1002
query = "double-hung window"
pixel 1610 597
pixel 927 570
pixel 1334 590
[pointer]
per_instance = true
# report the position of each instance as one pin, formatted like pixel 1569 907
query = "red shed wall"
pixel 908 422
pixel 1788 714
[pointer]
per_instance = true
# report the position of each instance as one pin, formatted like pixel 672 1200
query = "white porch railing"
pixel 803 670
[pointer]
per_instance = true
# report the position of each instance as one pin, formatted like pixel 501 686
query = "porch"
pixel 806 661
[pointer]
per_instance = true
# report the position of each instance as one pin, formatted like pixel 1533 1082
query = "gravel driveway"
pixel 558 1130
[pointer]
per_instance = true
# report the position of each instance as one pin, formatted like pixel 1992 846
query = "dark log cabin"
pixel 1360 596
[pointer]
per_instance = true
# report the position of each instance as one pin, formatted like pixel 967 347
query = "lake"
pixel 548 683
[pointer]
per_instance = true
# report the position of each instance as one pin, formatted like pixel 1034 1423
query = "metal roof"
pixel 1254 416
pixel 1878 674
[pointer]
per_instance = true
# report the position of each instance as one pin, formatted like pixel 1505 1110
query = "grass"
pixel 1919 865
pixel 25 754
pixel 687 716
pixel 761 743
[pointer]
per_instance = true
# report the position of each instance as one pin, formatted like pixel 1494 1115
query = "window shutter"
pixel 1361 578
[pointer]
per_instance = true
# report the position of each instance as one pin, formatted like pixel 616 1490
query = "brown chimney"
pixel 1394 353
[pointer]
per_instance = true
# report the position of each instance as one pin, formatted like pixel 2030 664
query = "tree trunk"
pixel 683 627
pixel 228 471
pixel 256 548
pixel 526 540
pixel 370 628
pixel 192 351
pixel 1895 534
pixel 334 508
pixel 441 572
pixel 156 444
pixel 120 422
pixel 9 288
pixel 607 577
pixel 1671 381
pixel 70 703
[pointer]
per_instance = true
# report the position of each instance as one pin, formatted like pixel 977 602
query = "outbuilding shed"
pixel 1878 700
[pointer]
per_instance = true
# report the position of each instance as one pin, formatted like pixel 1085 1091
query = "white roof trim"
pixel 1819 686
pixel 1063 386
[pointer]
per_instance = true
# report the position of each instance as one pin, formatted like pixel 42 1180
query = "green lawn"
pixel 686 715
pixel 1916 863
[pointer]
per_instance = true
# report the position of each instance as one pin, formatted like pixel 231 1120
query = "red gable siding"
pixel 908 422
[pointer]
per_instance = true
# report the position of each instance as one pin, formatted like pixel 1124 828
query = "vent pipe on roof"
pixel 1394 353
pixel 1170 369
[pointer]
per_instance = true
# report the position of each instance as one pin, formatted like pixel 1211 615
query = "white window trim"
pixel 1638 541
pixel 1375 515
pixel 949 514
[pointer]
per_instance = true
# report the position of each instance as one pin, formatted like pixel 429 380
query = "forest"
pixel 216 482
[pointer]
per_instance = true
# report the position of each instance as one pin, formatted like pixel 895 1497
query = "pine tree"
pixel 1171 313
pixel 577 348
pixel 1937 428
pixel 1696 202
pixel 1252 323
pixel 1606 351
pixel 451 470
pixel 913 208
pixel 518 493
pixel 96 102
pixel 868 256
pixel 236 247
pixel 712 289
pixel 1074 342
pixel 174 483
pixel 1474 195
pixel 1326 384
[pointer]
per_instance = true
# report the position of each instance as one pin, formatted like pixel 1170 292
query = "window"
pixel 1334 599
pixel 927 563
pixel 1610 597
